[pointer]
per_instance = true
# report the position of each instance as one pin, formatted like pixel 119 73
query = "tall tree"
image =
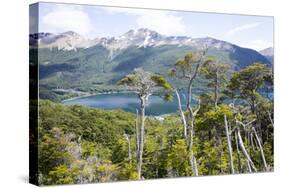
pixel 246 84
pixel 187 69
pixel 215 70
pixel 144 83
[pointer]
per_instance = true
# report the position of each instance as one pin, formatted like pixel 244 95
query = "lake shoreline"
pixel 96 94
pixel 125 100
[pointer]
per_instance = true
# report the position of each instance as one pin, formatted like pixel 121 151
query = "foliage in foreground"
pixel 231 132
pixel 83 145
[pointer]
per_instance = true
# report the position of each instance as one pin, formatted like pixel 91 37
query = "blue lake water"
pixel 128 102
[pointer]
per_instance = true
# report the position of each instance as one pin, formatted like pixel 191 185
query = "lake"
pixel 128 102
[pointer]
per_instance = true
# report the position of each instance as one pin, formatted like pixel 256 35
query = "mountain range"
pixel 140 38
pixel 69 60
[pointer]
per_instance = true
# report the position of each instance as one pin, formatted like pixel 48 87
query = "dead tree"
pixel 258 141
pixel 229 145
pixel 260 148
pixel 237 151
pixel 250 164
pixel 245 153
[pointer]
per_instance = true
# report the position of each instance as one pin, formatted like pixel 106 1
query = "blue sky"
pixel 254 32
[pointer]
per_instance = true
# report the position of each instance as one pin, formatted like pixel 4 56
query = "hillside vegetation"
pixel 83 145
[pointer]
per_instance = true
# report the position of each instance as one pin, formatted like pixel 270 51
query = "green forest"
pixel 228 130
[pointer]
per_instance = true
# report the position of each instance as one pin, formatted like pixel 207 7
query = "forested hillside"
pixel 229 131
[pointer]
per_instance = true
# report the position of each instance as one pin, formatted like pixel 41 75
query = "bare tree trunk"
pixel 229 146
pixel 189 94
pixel 191 119
pixel 261 149
pixel 249 166
pixel 237 151
pixel 192 116
pixel 195 166
pixel 141 138
pixel 137 134
pixel 244 151
pixel 182 115
pixel 192 157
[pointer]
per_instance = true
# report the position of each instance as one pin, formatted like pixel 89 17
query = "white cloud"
pixel 242 28
pixel 65 17
pixel 258 44
pixel 164 22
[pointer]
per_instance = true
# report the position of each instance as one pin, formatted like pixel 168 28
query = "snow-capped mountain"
pixel 141 38
pixel 107 59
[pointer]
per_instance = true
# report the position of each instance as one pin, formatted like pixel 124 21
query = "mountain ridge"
pixel 70 61
pixel 142 37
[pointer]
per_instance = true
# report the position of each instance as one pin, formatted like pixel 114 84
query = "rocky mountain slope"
pixel 71 61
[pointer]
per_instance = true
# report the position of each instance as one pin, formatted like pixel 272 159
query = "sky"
pixel 90 21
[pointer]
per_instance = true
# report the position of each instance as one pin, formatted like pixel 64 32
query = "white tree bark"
pixel 229 146
pixel 191 120
pixel 237 152
pixel 244 151
pixel 137 134
pixel 261 149
pixel 141 138
pixel 249 166
pixel 192 114
pixel 192 157
pixel 182 115
pixel 144 84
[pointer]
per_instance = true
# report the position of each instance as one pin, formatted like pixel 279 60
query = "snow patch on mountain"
pixel 141 38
